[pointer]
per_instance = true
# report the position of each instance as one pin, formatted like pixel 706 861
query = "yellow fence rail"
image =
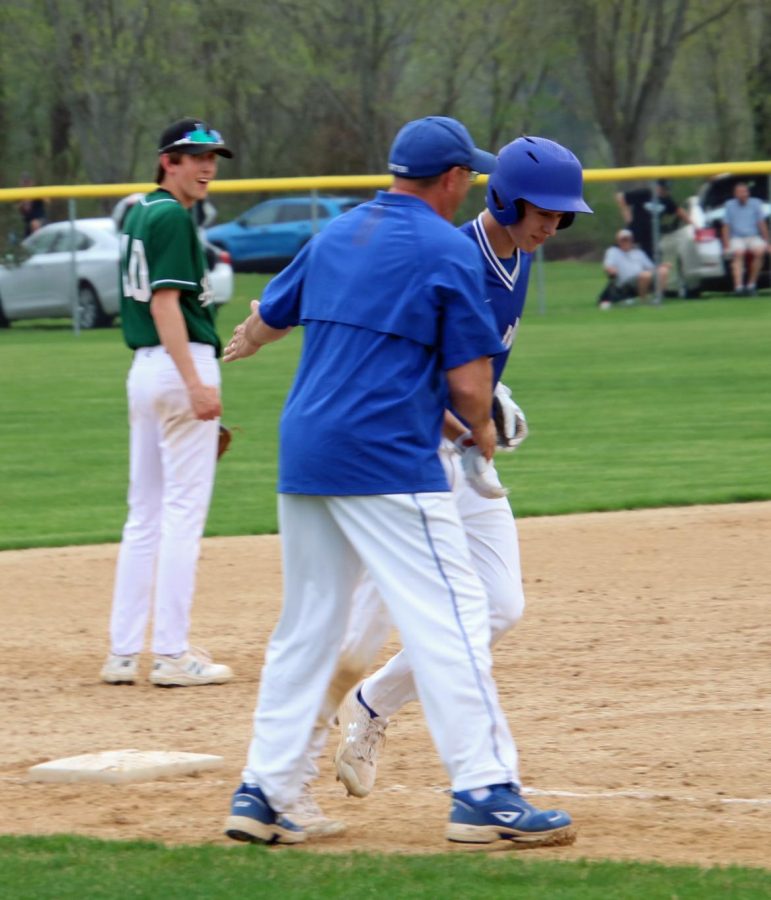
pixel 370 182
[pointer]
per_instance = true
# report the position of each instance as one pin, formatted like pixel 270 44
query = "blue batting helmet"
pixel 540 171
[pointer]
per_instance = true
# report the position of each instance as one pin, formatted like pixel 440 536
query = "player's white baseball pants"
pixel 172 463
pixel 414 548
pixel 491 532
pixel 492 536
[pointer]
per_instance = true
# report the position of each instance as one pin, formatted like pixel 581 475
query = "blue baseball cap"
pixel 426 147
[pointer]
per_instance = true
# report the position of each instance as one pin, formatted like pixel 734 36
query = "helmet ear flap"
pixel 566 221
pixel 502 213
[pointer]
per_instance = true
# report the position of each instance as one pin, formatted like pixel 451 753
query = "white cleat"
pixel 308 815
pixel 192 668
pixel 120 669
pixel 361 738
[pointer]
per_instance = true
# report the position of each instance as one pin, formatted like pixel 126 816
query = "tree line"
pixel 307 87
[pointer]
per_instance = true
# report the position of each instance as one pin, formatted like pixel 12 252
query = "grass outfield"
pixel 634 407
pixel 61 868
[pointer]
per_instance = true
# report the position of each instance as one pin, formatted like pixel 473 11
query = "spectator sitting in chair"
pixel 745 233
pixel 630 271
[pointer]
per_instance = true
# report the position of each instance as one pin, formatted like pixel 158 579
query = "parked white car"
pixel 38 285
pixel 695 251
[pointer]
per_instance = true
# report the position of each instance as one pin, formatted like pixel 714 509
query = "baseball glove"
pixel 225 438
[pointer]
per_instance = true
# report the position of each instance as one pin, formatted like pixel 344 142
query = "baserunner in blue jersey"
pixel 391 298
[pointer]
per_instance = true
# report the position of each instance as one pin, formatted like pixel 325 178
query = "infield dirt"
pixel 638 687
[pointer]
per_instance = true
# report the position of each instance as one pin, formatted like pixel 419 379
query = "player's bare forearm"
pixel 471 393
pixel 471 389
pixel 250 335
pixel 170 324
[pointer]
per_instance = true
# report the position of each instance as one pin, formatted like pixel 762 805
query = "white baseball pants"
pixel 172 461
pixel 491 532
pixel 416 553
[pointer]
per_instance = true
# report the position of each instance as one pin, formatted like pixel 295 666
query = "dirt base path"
pixel 638 687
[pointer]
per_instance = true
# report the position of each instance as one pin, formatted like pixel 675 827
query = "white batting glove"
pixel 479 472
pixel 510 421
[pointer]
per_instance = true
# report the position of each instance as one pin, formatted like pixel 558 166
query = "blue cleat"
pixel 506 815
pixel 253 819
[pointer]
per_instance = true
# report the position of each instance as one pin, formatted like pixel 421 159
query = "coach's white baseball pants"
pixel 172 463
pixel 491 532
pixel 414 548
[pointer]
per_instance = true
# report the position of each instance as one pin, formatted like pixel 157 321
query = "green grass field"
pixel 636 407
pixel 61 868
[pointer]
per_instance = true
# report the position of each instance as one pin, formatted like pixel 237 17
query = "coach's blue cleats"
pixel 505 815
pixel 253 819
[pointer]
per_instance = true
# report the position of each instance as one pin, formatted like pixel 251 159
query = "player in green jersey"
pixel 167 314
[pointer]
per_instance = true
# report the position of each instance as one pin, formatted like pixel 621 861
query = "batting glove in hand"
pixel 479 471
pixel 510 421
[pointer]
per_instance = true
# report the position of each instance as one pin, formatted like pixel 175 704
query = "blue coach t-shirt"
pixel 390 295
pixel 506 283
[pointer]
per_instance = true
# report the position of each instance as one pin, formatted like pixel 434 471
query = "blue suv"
pixel 268 236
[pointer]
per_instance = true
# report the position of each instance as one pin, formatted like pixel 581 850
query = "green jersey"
pixel 160 249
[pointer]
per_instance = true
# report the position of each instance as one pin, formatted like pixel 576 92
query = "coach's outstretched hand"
pixel 252 334
pixel 243 343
